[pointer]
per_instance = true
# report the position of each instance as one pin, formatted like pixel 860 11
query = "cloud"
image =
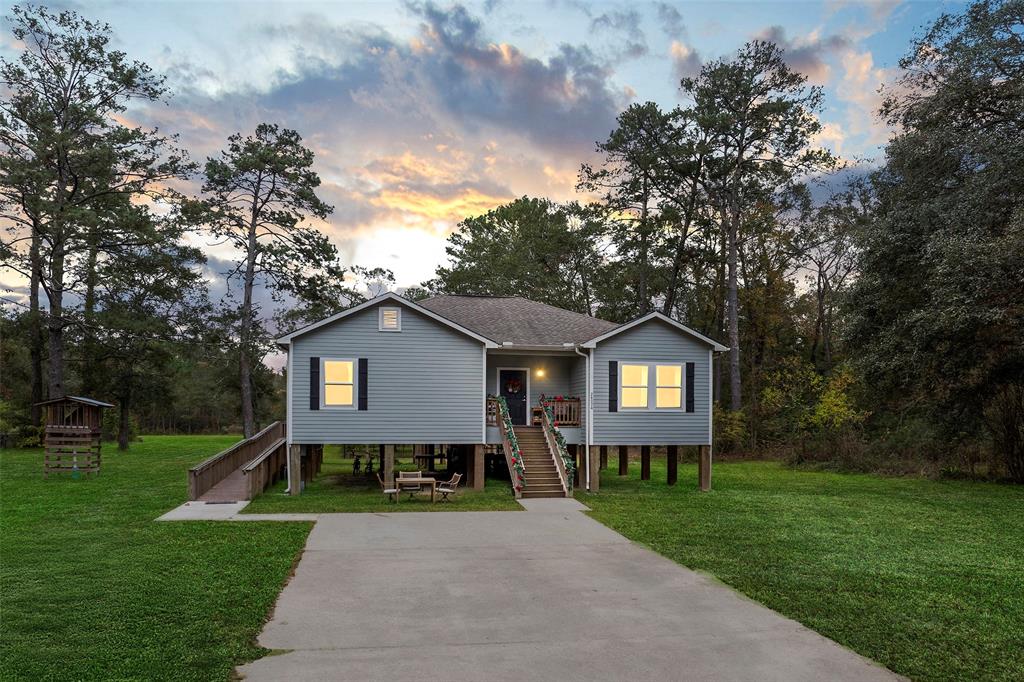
pixel 860 88
pixel 808 54
pixel 632 41
pixel 410 133
pixel 671 21
pixel 686 61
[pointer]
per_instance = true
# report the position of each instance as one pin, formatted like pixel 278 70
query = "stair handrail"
pixel 510 446
pixel 213 470
pixel 557 447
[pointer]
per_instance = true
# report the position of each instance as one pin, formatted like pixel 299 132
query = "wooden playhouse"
pixel 73 434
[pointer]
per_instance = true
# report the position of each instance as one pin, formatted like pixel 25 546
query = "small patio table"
pixel 422 481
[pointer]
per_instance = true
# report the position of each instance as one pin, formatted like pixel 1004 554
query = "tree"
pixel 64 154
pixel 530 247
pixel 257 196
pixel 141 319
pixel 759 118
pixel 936 317
pixel 831 256
pixel 627 187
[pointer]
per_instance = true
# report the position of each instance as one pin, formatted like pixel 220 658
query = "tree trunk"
pixel 35 329
pixel 124 423
pixel 642 295
pixel 677 262
pixel 732 298
pixel 90 371
pixel 55 321
pixel 244 356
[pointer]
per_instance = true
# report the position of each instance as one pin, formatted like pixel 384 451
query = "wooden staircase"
pixel 542 479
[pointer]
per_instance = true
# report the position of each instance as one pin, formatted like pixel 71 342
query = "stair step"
pixel 535 493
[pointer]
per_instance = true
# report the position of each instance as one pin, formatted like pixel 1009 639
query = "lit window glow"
pixel 338 385
pixel 634 386
pixel 669 386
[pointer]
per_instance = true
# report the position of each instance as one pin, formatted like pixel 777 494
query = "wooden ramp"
pixel 242 471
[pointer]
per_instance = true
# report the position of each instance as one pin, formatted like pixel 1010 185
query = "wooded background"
pixel 873 312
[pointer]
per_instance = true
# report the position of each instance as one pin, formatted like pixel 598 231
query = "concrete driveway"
pixel 536 595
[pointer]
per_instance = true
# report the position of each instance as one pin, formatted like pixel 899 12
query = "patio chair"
pixel 411 488
pixel 392 493
pixel 449 487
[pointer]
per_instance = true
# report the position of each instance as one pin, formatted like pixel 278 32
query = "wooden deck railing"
pixel 267 468
pixel 556 446
pixel 212 471
pixel 507 446
pixel 565 412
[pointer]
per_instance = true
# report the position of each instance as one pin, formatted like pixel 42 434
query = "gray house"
pixel 547 390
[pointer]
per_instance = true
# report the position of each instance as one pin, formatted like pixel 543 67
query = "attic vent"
pixel 390 320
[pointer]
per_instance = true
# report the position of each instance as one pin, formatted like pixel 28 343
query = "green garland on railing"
pixel 563 450
pixel 510 434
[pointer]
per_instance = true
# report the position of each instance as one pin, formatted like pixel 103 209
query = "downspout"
pixel 288 421
pixel 590 414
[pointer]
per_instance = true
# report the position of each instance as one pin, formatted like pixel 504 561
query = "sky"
pixel 422 113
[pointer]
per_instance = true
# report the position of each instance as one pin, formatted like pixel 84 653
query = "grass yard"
pixel 92 588
pixel 926 577
pixel 337 490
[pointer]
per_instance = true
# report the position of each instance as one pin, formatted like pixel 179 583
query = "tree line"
pixel 118 305
pixel 873 314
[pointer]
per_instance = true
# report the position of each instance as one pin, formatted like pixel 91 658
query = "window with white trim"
pixel 339 383
pixel 668 388
pixel 634 387
pixel 638 392
pixel 389 320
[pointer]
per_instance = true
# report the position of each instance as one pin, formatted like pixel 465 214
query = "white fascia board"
pixel 388 296
pixel 592 343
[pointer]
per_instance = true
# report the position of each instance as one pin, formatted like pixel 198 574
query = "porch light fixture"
pixel 539 373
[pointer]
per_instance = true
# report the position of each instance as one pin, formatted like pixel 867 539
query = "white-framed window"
pixel 651 386
pixel 668 387
pixel 339 386
pixel 633 381
pixel 389 319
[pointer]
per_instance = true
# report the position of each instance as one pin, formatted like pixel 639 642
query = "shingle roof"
pixel 515 319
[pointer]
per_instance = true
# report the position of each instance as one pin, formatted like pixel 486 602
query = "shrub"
pixel 1004 417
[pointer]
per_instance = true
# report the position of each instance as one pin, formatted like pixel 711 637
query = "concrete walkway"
pixel 543 595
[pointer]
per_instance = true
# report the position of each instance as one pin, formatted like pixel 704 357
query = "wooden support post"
pixel 704 468
pixel 595 468
pixel 295 470
pixel 604 457
pixel 307 464
pixel 478 467
pixel 623 460
pixel 645 462
pixel 673 464
pixel 430 456
pixel 389 463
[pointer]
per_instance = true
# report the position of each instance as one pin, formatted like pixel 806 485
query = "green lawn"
pixel 926 577
pixel 92 588
pixel 337 490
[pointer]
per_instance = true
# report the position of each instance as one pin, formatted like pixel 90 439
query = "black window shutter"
pixel 690 368
pixel 362 383
pixel 613 386
pixel 314 383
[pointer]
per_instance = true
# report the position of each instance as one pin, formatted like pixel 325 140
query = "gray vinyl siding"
pixel 425 383
pixel 652 342
pixel 559 371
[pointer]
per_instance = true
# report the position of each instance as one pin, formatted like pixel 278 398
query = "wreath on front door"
pixel 513 386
